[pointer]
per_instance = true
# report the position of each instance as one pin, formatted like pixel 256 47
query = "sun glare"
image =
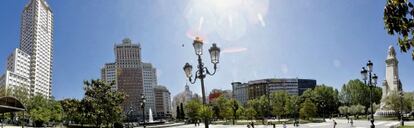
pixel 230 19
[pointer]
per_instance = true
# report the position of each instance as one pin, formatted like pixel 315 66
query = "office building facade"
pixel 162 102
pixel 30 66
pixel 258 88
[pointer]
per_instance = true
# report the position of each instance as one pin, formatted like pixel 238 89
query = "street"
pixel 328 124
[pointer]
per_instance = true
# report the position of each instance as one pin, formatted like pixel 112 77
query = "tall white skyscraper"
pixel 36 43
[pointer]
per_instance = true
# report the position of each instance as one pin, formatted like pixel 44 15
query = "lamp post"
pixel 130 115
pixel 202 71
pixel 372 81
pixel 143 100
pixel 323 105
pixel 235 108
pixel 401 108
pixel 296 115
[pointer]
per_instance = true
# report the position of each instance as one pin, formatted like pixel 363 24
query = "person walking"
pixel 352 122
pixel 334 124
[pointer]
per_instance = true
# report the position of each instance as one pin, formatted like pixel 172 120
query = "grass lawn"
pixel 406 126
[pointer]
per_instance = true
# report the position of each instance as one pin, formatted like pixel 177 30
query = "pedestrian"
pixel 284 124
pixel 248 125
pixel 334 124
pixel 352 122
pixel 347 118
pixel 252 124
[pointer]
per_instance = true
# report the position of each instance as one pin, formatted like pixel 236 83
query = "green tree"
pixel 182 112
pixel 220 106
pixel 326 99
pixel 206 112
pixel 357 110
pixel 234 106
pixel 103 103
pixel 393 102
pixel 193 109
pixel 398 19
pixel 178 117
pixel 262 107
pixel 279 99
pixel 376 107
pixel 308 110
pixel 356 92
pixel 250 113
pixel 291 107
pixel 70 108
pixel 56 111
pixel 40 110
pixel 241 112
pixel 255 105
pixel 344 110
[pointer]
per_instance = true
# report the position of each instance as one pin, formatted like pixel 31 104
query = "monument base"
pixel 385 113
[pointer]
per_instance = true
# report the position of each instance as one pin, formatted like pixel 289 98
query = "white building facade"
pixel 17 71
pixel 30 66
pixel 149 75
pixel 108 74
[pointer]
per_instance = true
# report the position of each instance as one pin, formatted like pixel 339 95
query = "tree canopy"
pixel 398 19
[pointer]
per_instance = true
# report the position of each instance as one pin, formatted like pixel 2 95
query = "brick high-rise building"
pixel 132 77
pixel 129 73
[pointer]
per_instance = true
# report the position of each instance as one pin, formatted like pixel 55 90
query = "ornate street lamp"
pixel 401 108
pixel 372 82
pixel 130 116
pixel 235 107
pixel 143 100
pixel 323 105
pixel 202 71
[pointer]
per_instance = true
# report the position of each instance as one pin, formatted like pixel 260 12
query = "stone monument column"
pixel 391 82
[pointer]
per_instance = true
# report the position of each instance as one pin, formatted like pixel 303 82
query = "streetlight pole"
pixel 202 71
pixel 401 108
pixel 372 81
pixel 143 100
pixel 323 112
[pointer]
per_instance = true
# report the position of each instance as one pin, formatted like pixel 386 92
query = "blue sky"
pixel 321 39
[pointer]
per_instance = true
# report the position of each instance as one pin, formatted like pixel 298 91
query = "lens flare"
pixel 227 18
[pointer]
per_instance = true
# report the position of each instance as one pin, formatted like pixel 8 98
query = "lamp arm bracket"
pixel 192 81
pixel 208 72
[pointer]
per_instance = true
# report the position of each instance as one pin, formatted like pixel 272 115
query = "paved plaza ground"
pixel 328 124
